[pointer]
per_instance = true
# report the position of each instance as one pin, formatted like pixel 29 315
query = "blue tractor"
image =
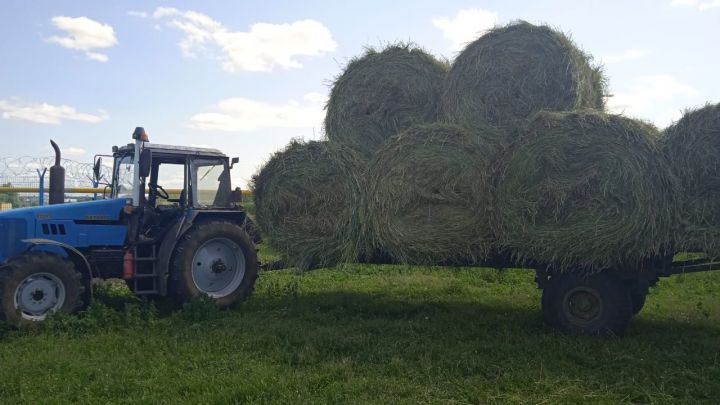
pixel 196 240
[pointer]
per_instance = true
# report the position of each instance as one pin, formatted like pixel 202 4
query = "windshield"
pixel 123 177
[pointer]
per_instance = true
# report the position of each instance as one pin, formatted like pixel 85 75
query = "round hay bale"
pixel 512 72
pixel 585 190
pixel 692 146
pixel 381 93
pixel 304 202
pixel 428 196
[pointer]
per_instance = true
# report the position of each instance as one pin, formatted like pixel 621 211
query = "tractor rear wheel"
pixel 36 284
pixel 595 304
pixel 216 259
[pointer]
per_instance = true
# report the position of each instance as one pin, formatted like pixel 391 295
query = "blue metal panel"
pixel 12 232
pixel 100 235
pixel 101 210
pixel 84 224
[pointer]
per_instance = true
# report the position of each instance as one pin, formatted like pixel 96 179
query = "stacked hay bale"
pixel 585 190
pixel 311 217
pixel 427 194
pixel 692 146
pixel 304 202
pixel 509 152
pixel 512 72
pixel 382 93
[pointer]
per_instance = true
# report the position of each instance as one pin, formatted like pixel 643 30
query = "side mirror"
pixel 236 195
pixel 97 168
pixel 233 161
pixel 145 163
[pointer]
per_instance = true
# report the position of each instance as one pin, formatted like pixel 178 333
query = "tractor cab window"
pixel 211 180
pixel 123 177
pixel 170 177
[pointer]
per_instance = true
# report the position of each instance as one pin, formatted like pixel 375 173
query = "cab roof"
pixel 173 150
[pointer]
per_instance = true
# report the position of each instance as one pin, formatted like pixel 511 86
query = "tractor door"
pixel 167 198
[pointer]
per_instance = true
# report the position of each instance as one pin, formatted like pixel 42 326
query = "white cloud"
pixel 263 48
pixel 466 26
pixel 317 98
pixel 709 4
pixel 628 55
pixel 701 5
pixel 84 34
pixel 44 113
pixel 100 57
pixel 658 98
pixel 73 151
pixel 241 114
pixel 139 14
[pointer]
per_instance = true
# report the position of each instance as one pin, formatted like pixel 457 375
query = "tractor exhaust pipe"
pixel 57 178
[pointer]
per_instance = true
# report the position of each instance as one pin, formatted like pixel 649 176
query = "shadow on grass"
pixel 447 318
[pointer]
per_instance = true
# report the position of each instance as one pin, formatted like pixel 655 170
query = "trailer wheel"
pixel 548 309
pixel 36 284
pixel 216 259
pixel 596 304
pixel 638 294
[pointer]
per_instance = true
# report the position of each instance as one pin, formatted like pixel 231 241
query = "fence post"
pixel 41 196
pixel 95 183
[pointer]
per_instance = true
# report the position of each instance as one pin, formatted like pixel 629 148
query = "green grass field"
pixel 368 334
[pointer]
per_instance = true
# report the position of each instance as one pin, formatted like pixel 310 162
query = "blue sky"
pixel 247 76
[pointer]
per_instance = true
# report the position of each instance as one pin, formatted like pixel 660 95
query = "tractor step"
pixel 147 292
pixel 145 280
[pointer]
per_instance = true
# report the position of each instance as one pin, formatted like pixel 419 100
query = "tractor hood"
pixel 100 210
pixel 83 224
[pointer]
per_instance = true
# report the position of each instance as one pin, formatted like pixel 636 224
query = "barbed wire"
pixel 23 171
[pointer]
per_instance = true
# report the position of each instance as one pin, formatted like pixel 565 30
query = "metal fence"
pixel 23 180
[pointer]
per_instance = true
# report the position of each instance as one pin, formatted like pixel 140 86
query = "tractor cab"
pixel 177 177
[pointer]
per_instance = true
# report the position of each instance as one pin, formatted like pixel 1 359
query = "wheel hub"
pixel 583 305
pixel 39 294
pixel 219 266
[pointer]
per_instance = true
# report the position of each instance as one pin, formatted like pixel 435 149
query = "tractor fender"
pixel 164 255
pixel 200 215
pixel 167 246
pixel 79 259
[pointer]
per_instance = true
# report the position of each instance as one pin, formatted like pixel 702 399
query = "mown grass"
pixel 368 334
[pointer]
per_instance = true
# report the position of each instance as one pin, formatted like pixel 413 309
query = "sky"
pixel 248 76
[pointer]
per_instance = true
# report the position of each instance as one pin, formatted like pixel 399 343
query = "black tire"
pixel 18 272
pixel 638 294
pixel 597 304
pixel 184 288
pixel 548 310
pixel 253 231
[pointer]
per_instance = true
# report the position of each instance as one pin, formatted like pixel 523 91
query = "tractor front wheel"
pixel 36 284
pixel 216 259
